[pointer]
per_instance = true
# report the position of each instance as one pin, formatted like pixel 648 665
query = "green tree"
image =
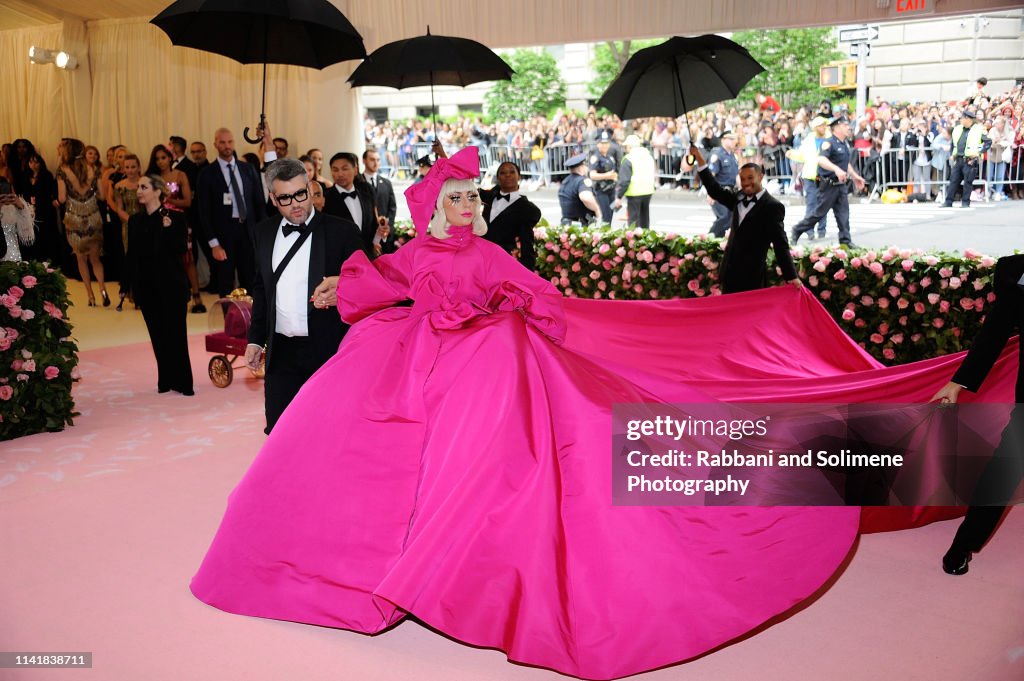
pixel 791 58
pixel 609 58
pixel 536 87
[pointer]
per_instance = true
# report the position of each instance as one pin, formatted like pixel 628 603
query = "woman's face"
pixel 310 170
pixel 461 207
pixel 163 161
pixel 318 158
pixel 508 178
pixel 110 156
pixel 147 195
pixel 33 164
pixel 92 156
pixel 119 157
pixel 131 168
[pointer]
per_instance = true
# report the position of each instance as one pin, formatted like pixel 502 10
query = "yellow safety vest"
pixel 641 183
pixel 974 135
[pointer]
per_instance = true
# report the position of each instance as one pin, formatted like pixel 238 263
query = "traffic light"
pixel 839 75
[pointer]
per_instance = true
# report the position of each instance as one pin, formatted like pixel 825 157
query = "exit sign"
pixel 909 8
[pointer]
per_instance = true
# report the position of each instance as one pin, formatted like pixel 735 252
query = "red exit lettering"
pixel 909 5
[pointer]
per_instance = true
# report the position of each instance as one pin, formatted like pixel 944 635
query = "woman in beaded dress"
pixel 125 202
pixel 78 191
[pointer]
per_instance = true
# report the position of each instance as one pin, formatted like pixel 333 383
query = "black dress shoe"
pixel 955 561
pixel 794 237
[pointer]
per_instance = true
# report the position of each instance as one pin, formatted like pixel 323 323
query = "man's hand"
pixel 382 227
pixel 219 253
pixel 948 394
pixel 325 294
pixel 841 175
pixel 266 138
pixel 438 149
pixel 697 157
pixel 796 283
pixel 253 354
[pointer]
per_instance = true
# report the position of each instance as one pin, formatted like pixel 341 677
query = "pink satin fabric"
pixel 453 461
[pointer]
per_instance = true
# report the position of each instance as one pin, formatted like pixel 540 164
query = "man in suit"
pixel 353 200
pixel 383 192
pixel 197 151
pixel 757 224
pixel 1004 471
pixel 510 216
pixel 231 203
pixel 296 252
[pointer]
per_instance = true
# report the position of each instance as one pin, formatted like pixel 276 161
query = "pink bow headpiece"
pixel 422 196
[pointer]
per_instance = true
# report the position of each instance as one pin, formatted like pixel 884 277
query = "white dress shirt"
pixel 498 206
pixel 292 298
pixel 352 203
pixel 743 210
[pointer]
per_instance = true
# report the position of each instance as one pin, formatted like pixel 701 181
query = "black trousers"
pixel 166 323
pixel 964 171
pixel 241 258
pixel 831 197
pixel 639 208
pixel 605 199
pixel 995 487
pixel 289 366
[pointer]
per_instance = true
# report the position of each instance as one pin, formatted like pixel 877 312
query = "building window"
pixel 378 114
pixel 424 111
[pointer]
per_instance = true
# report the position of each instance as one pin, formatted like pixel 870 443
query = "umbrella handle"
pixel 245 133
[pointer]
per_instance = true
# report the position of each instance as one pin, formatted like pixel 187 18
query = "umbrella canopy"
pixel 678 75
pixel 310 33
pixel 430 60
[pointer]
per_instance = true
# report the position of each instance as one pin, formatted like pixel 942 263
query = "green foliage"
pixel 792 58
pixel 38 360
pixel 609 58
pixel 536 87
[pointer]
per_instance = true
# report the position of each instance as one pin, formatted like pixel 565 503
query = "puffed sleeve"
pixel 365 287
pixel 513 287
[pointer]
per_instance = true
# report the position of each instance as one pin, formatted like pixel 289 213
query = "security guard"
pixel 576 194
pixel 603 173
pixel 724 166
pixel 969 143
pixel 833 170
pixel 637 174
pixel 808 155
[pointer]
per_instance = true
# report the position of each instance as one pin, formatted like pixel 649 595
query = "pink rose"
pixel 903 303
pixel 978 284
pixel 840 254
pixel 22 377
pixel 840 275
pixel 615 279
pixel 945 272
pixel 6 392
pixel 597 295
pixel 654 293
pixel 826 294
pixel 979 303
pixel 28 281
pixel 812 281
pixel 564 282
pixel 554 281
pixel 926 282
pixel 550 258
pixel 955 331
pixel 75 373
pixel 595 275
pixel 16 292
pixel 907 265
pixel 954 282
pixel 906 253
pixel 51 372
pixel 604 249
pixel 912 288
pixel 916 338
pixel 876 338
pixel 15 311
pixel 898 278
pixel 855 263
pixel 991 297
pixel 944 306
pixel 896 338
pixel 575 267
pixel 938 322
pixel 643 274
pixel 860 324
pixel 848 314
pixel 883 328
pixel 971 254
pixel 638 288
pixel 17 364
pixel 987 261
pixel 883 303
pixel 967 303
pixel 889 353
pixel 821 265
pixel 867 301
pixel 903 320
pixel 27 315
pixel 855 291
pixel 894 292
pixel 29 365
pixel 693 285
pixel 877 268
pixel 931 260
pixel 933 298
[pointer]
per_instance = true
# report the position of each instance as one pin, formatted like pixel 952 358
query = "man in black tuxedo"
pixel 182 162
pixel 231 203
pixel 197 151
pixel 383 192
pixel 757 224
pixel 510 216
pixel 1004 471
pixel 352 199
pixel 296 252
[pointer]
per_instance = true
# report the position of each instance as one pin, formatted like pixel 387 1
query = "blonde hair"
pixel 438 226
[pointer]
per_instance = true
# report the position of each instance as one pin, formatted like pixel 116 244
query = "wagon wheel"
pixel 220 371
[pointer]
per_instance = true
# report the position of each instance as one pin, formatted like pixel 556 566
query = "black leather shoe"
pixel 955 562
pixel 794 236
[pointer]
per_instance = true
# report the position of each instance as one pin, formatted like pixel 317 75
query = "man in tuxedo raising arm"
pixel 756 221
pixel 352 199
pixel 296 252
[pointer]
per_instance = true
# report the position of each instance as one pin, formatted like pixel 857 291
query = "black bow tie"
pixel 288 228
pixel 749 201
pixel 507 197
pixel 348 195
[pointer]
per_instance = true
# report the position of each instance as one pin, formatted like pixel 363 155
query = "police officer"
pixel 834 169
pixel 576 194
pixel 725 168
pixel 603 173
pixel 808 155
pixel 969 143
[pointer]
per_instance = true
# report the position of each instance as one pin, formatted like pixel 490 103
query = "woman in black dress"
pixel 510 216
pixel 156 242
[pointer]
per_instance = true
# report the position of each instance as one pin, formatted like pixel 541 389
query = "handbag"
pixel 1007 154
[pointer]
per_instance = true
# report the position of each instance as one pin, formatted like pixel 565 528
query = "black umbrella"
pixel 678 75
pixel 309 33
pixel 430 60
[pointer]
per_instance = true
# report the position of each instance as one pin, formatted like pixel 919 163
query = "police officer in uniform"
pixel 604 175
pixel 834 169
pixel 969 143
pixel 576 195
pixel 725 168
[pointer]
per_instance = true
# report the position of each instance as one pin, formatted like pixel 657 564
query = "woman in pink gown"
pixel 461 473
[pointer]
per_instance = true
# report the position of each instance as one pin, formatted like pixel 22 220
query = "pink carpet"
pixel 103 525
